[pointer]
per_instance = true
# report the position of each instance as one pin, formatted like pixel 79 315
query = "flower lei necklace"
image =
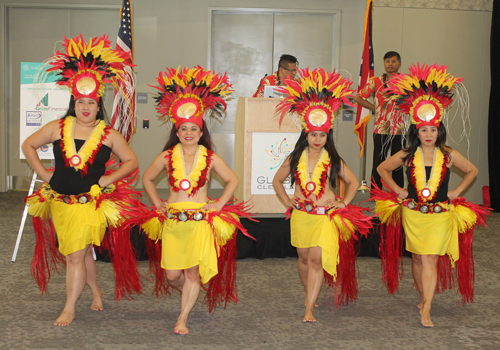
pixel 86 155
pixel 179 179
pixel 314 184
pixel 427 188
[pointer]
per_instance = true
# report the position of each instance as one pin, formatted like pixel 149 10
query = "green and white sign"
pixel 40 104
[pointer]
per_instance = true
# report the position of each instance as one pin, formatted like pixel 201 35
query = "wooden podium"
pixel 258 115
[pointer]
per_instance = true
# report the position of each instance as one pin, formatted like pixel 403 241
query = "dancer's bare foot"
pixel 97 301
pixel 65 319
pixel 305 303
pixel 308 317
pixel 421 304
pixel 426 317
pixel 180 327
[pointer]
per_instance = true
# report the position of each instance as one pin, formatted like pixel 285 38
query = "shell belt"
pixel 82 198
pixel 184 215
pixel 426 208
pixel 311 208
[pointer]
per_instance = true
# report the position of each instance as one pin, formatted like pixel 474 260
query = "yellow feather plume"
pixel 388 211
pixel 38 208
pixel 464 217
pixel 96 48
pixel 153 228
pixel 223 231
pixel 345 227
pixel 111 211
pixel 41 208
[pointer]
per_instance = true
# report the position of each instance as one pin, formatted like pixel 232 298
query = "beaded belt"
pixel 80 198
pixel 311 208
pixel 74 199
pixel 186 214
pixel 426 208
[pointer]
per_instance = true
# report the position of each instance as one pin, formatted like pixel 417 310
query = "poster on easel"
pixel 40 104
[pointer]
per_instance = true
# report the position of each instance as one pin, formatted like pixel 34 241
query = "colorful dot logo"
pixel 278 153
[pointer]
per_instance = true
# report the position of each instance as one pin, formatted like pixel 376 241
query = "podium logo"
pixel 278 152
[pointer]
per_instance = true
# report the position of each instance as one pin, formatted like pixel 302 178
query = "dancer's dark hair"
pixel 101 113
pixel 414 141
pixel 205 140
pixel 329 146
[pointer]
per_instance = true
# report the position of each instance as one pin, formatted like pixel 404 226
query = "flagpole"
pixel 364 187
pixel 366 73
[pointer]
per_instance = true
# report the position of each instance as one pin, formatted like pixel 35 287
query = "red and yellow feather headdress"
pixel 315 98
pixel 423 94
pixel 185 94
pixel 86 67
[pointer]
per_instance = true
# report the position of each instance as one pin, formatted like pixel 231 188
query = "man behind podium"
pixel 287 69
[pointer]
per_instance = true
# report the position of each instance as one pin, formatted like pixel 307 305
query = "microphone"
pixel 261 81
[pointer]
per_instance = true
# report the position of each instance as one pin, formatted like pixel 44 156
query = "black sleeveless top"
pixel 67 180
pixel 442 192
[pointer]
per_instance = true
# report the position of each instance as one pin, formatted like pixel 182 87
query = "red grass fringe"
pixel 346 275
pixel 117 240
pixel 391 249
pixel 345 288
pixel 222 287
pixel 124 261
pixel 46 257
pixel 153 250
pixel 391 243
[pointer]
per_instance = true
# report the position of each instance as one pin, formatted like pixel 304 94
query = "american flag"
pixel 124 114
pixel 366 73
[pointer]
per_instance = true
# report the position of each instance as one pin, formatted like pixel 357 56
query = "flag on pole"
pixel 366 73
pixel 123 117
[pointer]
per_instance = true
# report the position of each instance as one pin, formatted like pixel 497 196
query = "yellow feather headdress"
pixel 315 98
pixel 185 94
pixel 424 94
pixel 86 67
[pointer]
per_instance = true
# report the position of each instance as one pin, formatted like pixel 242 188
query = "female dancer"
pixel 197 234
pixel 77 194
pixel 431 213
pixel 323 226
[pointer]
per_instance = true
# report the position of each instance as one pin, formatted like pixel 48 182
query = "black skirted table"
pixel 272 236
pixel 273 240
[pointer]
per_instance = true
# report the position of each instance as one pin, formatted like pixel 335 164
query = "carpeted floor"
pixel 268 315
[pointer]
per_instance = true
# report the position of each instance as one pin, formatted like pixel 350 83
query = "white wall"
pixel 172 33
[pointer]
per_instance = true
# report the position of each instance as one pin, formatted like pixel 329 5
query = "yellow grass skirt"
pixel 310 230
pixel 431 233
pixel 77 225
pixel 187 244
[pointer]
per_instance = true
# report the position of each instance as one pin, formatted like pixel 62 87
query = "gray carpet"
pixel 268 315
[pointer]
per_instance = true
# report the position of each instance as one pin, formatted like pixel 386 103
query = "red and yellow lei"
pixel 418 175
pixel 86 155
pixel 319 176
pixel 177 170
